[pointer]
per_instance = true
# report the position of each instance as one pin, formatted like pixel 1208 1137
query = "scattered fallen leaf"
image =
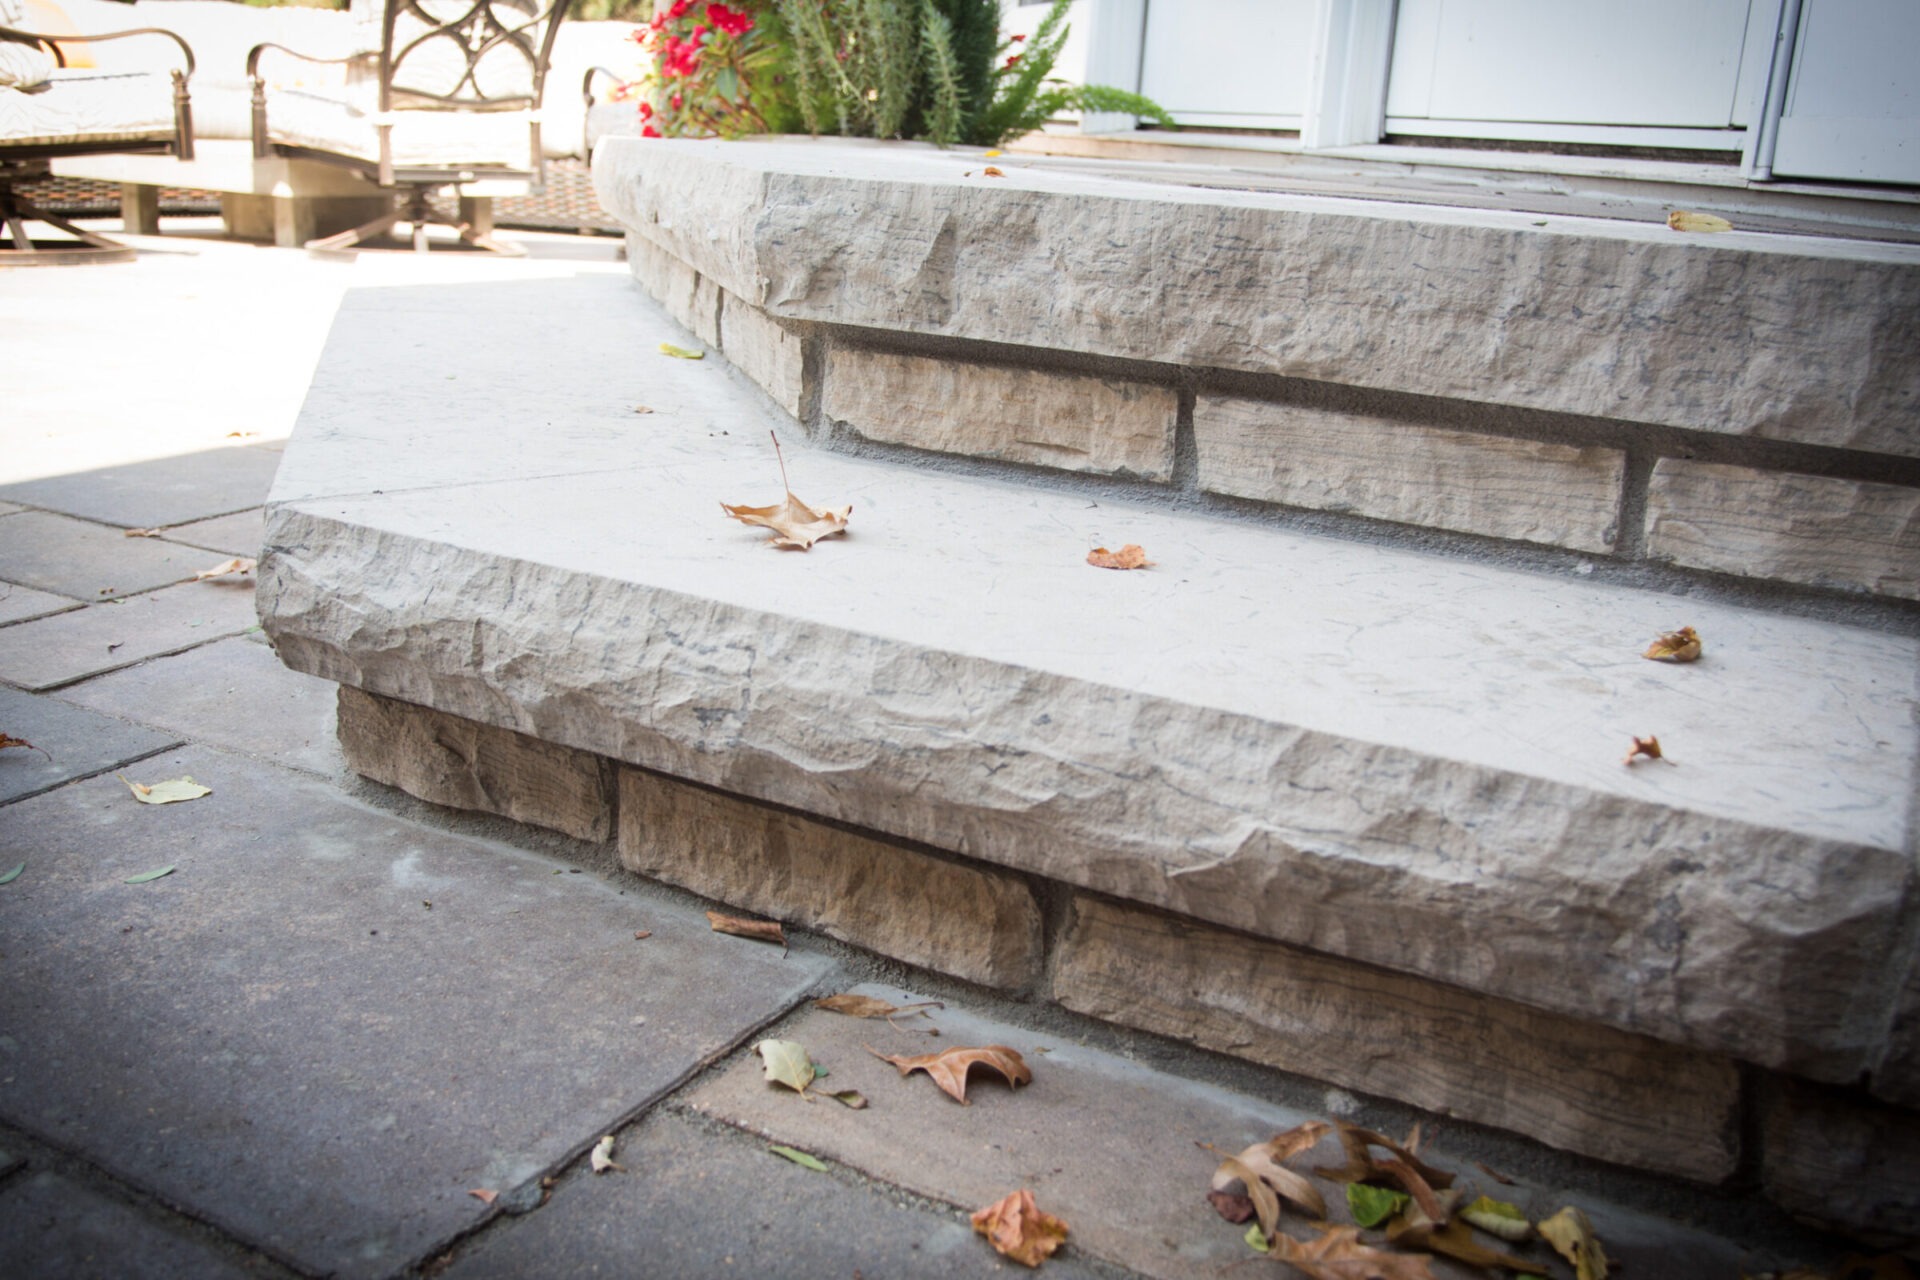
pixel 1675 646
pixel 239 565
pixel 14 874
pixel 1648 747
pixel 240 435
pixel 1683 220
pixel 483 1195
pixel 171 791
pixel 990 154
pixel 992 172
pixel 1498 1218
pixel 1571 1235
pixel 867 1007
pixel 1266 1205
pixel 145 876
pixel 786 1063
pixel 1493 1173
pixel 1256 1239
pixel 795 524
pixel 1360 1165
pixel 764 930
pixel 1127 557
pixel 643 408
pixel 1457 1241
pixel 1371 1205
pixel 681 353
pixel 1339 1255
pixel 1019 1229
pixel 851 1099
pixel 142 533
pixel 601 1157
pixel 949 1067
pixel 642 934
pixel 800 1158
pixel 8 740
pixel 1232 1206
pixel 1265 1179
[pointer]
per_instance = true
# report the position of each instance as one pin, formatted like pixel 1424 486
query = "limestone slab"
pixel 1572 1085
pixel 88 561
pixel 1391 470
pixel 76 743
pixel 697 1203
pixel 1064 420
pixel 686 295
pixel 232 693
pixel 1785 337
pixel 18 603
pixel 102 637
pixel 334 1070
pixel 239 534
pixel 1798 528
pixel 152 492
pixel 1842 1160
pixel 976 923
pixel 1112 1146
pixel 770 355
pixel 466 765
pixel 54 1229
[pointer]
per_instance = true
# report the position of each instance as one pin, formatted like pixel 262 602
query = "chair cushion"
pixel 23 66
pixel 87 106
pixel 421 139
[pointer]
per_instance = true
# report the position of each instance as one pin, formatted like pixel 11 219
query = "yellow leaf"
pixel 1682 220
pixel 170 792
pixel 786 1063
pixel 681 353
pixel 1571 1236
pixel 992 154
pixel 1020 1230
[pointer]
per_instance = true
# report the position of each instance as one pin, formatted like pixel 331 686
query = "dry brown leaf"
pixel 240 565
pixel 1127 557
pixel 1020 1230
pixel 1675 646
pixel 1457 1241
pixel 1339 1255
pixel 1649 747
pixel 795 525
pixel 1685 220
pixel 483 1195
pixel 992 172
pixel 142 533
pixel 1259 1168
pixel 1571 1236
pixel 949 1067
pixel 854 1006
pixel 1266 1204
pixel 1360 1165
pixel 8 740
pixel 763 930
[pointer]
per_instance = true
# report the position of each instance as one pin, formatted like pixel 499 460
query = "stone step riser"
pixel 1573 1085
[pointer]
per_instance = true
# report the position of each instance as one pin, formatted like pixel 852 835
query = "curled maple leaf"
pixel 1018 1228
pixel 795 525
pixel 949 1067
pixel 1338 1255
pixel 8 740
pixel 1647 747
pixel 1128 557
pixel 1675 646
pixel 1361 1166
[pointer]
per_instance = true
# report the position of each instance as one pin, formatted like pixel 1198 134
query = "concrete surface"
pixel 73 743
pixel 227 1072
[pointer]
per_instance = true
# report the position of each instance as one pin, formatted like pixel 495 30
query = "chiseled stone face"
pixel 1064 420
pixel 760 348
pixel 974 922
pixel 1573 1085
pixel 1370 466
pixel 1799 528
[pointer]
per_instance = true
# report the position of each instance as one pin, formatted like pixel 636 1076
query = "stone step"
pixel 1383 786
pixel 1734 407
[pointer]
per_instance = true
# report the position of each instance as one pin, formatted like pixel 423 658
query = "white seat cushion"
pixel 89 106
pixel 437 139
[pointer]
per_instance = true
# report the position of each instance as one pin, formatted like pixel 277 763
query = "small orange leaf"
pixel 949 1067
pixel 1648 747
pixel 483 1195
pixel 8 740
pixel 992 172
pixel 1675 646
pixel 1127 557
pixel 764 930
pixel 1020 1230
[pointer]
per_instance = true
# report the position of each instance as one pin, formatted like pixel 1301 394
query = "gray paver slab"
pixel 76 742
pixel 337 1062
pixel 1104 1143
pixel 8 508
pixel 694 1203
pixel 89 561
pixel 232 693
pixel 68 646
pixel 158 491
pixel 240 534
pixel 52 1229
pixel 18 603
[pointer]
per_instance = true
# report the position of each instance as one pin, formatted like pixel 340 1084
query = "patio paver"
pixel 239 534
pixel 90 561
pixel 158 491
pixel 53 1229
pixel 18 603
pixel 77 743
pixel 103 637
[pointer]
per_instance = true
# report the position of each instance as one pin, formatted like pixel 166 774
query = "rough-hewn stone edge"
pixel 1391 470
pixel 1069 421
pixel 773 357
pixel 1842 1160
pixel 1816 530
pixel 1570 1084
pixel 971 921
pixel 464 764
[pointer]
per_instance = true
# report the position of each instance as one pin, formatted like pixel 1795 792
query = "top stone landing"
pixel 1802 339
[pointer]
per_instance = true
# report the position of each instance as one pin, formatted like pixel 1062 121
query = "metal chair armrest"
pixel 54 40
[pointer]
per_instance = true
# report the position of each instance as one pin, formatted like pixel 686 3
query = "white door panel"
pixel 1226 59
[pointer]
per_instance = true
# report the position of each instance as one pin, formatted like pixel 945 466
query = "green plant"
pixel 1024 98
pixel 707 60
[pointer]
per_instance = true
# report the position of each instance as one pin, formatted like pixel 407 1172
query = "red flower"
pixel 646 108
pixel 676 101
pixel 1015 58
pixel 731 21
pixel 679 10
pixel 680 57
pixel 1016 39
pixel 648 131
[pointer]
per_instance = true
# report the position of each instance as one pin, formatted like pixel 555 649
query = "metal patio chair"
pixel 81 111
pixel 447 94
